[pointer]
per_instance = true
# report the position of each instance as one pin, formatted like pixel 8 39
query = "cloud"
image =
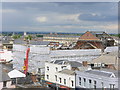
pixel 98 17
pixel 56 18
pixel 70 17
pixel 73 17
pixel 109 27
pixel 113 28
pixel 41 19
pixel 7 10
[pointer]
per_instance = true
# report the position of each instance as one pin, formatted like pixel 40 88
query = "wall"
pixel 1 85
pixel 8 85
pixel 52 72
pixel 98 78
pixel 68 78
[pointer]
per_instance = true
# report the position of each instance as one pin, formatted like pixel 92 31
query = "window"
pixel 56 77
pixel 90 83
pixel 39 70
pixel 64 81
pixel 102 84
pixel 47 76
pixel 63 67
pixel 95 84
pixel 60 80
pixel 56 69
pixel 47 68
pixel 84 81
pixel 112 86
pixel 72 83
pixel 79 80
pixel 4 83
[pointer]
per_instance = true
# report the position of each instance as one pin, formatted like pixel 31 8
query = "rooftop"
pixel 72 63
pixel 53 35
pixel 108 58
pixel 66 71
pixel 101 73
pixel 3 74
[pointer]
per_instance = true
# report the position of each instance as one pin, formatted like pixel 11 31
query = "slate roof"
pixel 7 38
pixel 100 34
pixel 100 73
pixel 97 32
pixel 116 72
pixel 58 61
pixel 39 42
pixel 75 64
pixel 8 67
pixel 66 71
pixel 19 41
pixel 32 42
pixel 72 63
pixel 3 75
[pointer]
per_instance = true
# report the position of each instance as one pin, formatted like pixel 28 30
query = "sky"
pixel 69 17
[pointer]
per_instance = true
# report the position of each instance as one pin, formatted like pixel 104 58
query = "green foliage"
pixel 16 36
pixel 39 35
pixel 119 35
pixel 29 37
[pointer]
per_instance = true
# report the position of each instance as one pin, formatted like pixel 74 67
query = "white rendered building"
pixel 61 73
pixel 97 79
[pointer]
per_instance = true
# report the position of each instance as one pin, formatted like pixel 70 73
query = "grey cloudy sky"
pixel 60 16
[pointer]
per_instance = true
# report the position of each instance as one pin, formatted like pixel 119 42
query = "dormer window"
pixel 112 75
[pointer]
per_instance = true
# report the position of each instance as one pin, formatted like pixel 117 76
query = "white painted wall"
pixel 68 78
pixel 1 85
pixel 8 85
pixel 52 72
pixel 99 79
pixel 6 55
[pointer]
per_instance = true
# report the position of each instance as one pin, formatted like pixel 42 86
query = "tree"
pixel 39 35
pixel 29 37
pixel 16 36
pixel 119 35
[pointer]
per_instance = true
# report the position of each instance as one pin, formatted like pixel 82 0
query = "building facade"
pixel 96 79
pixel 66 39
pixel 60 73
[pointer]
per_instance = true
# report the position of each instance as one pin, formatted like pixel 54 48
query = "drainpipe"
pixel 75 81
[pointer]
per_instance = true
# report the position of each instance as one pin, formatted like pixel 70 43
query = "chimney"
pixel 84 63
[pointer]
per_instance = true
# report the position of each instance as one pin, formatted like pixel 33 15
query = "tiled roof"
pixel 88 36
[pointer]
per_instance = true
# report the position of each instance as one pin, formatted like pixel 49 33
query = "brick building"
pixel 94 40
